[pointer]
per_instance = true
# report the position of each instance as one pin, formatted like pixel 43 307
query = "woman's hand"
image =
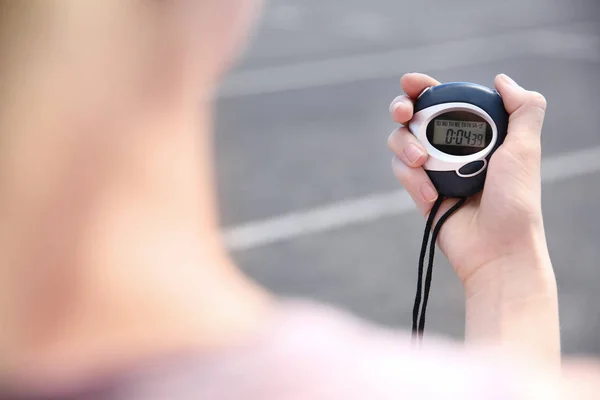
pixel 495 242
pixel 505 221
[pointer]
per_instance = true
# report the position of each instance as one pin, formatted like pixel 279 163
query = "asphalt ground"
pixel 309 205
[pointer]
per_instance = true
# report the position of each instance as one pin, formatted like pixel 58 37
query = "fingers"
pixel 515 97
pixel 527 110
pixel 416 182
pixel 407 148
pixel 401 109
pixel 410 154
pixel 413 84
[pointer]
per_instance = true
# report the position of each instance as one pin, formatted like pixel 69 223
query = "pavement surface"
pixel 309 205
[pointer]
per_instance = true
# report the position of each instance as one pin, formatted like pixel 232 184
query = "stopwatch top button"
pixel 472 168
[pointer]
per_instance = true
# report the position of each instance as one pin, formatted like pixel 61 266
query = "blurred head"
pixel 158 43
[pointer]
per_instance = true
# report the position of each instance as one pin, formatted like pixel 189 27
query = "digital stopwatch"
pixel 460 125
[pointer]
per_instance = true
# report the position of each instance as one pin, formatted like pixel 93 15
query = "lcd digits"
pixel 459 133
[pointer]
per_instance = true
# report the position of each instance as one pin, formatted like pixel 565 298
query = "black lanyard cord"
pixel 418 325
pixel 428 226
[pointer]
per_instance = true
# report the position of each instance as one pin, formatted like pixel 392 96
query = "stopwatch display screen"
pixel 459 133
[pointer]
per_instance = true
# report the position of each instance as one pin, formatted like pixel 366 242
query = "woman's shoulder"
pixel 307 350
pixel 315 351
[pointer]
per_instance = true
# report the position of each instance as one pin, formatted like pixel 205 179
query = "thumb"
pixel 527 110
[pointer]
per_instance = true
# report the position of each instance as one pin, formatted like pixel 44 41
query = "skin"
pixel 502 232
pixel 110 248
pixel 110 245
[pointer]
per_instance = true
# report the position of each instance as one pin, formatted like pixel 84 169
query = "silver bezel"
pixel 439 161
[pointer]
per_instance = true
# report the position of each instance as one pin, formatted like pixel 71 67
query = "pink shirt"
pixel 308 352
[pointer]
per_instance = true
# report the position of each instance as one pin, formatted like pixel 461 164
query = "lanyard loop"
pixel 418 321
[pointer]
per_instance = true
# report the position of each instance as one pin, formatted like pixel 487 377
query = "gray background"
pixel 303 122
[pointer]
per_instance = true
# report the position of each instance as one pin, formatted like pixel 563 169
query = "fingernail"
pixel 509 80
pixel 428 192
pixel 398 103
pixel 413 153
pixel 394 107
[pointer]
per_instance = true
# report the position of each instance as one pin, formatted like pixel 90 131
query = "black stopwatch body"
pixel 460 125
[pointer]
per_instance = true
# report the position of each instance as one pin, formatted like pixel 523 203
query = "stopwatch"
pixel 460 125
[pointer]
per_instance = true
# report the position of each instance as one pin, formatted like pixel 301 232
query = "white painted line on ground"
pixel 377 206
pixel 572 164
pixel 576 46
pixel 430 58
pixel 336 215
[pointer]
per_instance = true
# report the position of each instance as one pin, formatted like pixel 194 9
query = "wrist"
pixel 512 303
pixel 515 276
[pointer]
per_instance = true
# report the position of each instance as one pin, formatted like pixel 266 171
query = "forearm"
pixel 512 304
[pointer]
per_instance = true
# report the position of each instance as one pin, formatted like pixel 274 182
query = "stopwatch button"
pixel 472 168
